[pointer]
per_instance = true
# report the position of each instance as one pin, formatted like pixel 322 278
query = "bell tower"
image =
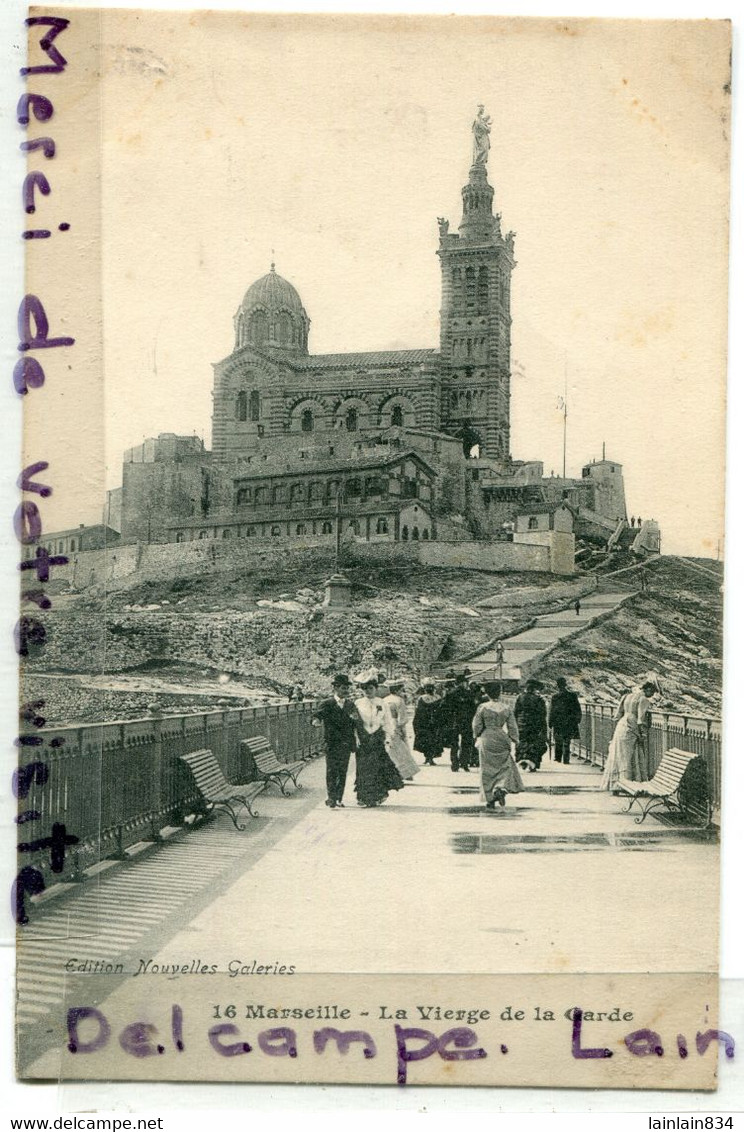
pixel 475 335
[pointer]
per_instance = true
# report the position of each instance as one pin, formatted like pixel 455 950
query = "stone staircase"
pixel 523 652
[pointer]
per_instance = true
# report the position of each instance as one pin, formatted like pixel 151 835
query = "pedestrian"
pixel 495 731
pixel 564 719
pixel 532 721
pixel 340 719
pixel 632 520
pixel 376 773
pixel 639 520
pixel 427 724
pixel 627 756
pixel 462 705
pixel 577 606
pixel 396 735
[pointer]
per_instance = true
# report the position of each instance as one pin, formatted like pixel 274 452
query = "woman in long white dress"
pixel 376 773
pixel 495 732
pixel 626 756
pixel 396 737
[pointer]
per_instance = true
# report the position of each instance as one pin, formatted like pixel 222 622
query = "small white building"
pixel 551 525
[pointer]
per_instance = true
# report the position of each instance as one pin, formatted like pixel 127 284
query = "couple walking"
pixel 373 727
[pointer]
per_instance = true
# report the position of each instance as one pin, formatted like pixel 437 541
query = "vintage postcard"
pixel 371 549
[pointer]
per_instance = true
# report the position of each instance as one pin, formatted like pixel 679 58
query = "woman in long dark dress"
pixel 428 725
pixel 376 773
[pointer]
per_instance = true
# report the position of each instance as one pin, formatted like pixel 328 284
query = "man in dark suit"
pixel 565 717
pixel 461 704
pixel 338 716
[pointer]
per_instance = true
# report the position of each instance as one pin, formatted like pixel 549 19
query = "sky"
pixel 332 145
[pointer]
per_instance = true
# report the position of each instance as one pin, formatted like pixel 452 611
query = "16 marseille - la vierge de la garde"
pixel 392 446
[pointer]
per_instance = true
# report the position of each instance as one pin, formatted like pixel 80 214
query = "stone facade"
pixel 376 498
pixel 475 329
pixel 289 426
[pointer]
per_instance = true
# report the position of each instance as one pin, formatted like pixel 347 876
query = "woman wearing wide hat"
pixel 376 773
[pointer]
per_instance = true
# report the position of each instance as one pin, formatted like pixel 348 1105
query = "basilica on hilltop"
pixel 396 445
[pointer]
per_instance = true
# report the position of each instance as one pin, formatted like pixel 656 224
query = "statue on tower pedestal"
pixel 481 137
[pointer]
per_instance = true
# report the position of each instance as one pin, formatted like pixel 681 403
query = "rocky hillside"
pixel 253 634
pixel 674 628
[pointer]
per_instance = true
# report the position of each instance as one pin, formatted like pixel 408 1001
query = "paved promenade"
pixel 562 880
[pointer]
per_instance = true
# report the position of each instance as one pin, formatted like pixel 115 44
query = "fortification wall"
pixel 121 567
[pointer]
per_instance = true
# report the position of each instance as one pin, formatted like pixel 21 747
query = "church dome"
pixel 272 315
pixel 273 292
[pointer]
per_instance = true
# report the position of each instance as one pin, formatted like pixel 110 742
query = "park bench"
pixel 268 765
pixel 216 790
pixel 673 786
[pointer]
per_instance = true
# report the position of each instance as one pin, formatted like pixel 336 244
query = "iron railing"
pixel 701 734
pixel 115 784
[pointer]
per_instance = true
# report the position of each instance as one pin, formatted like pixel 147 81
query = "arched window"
pixel 241 406
pixel 227 533
pixel 404 534
pixel 532 524
pixel 353 525
pixel 279 494
pixel 259 329
pixel 244 495
pixel 397 415
pixel 276 530
pixel 470 286
pixel 296 493
pixel 333 486
pixel 327 528
pixel 307 423
pixel 353 489
pixel 261 497
pixel 382 526
pixel 202 534
pixel 300 529
pixel 457 286
pixel 483 289
pixel 352 420
pixel 254 406
pixel 72 544
pixel 284 329
pixel 180 536
pixel 415 534
pixel 250 532
pixel 425 534
pixel 315 492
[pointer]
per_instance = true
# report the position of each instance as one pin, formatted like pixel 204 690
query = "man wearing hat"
pixel 461 704
pixel 339 717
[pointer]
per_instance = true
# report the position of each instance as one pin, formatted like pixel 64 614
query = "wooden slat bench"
pixel 216 790
pixel 664 789
pixel 268 765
